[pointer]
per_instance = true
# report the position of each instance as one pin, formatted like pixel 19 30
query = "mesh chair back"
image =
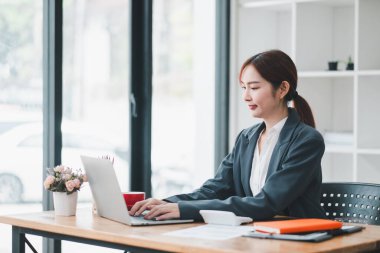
pixel 352 202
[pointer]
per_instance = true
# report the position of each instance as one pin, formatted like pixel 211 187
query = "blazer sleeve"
pixel 298 169
pixel 219 187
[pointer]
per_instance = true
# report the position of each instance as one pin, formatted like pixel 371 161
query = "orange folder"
pixel 296 226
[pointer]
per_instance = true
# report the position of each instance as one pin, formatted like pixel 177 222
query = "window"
pixel 183 95
pixel 20 104
pixel 95 88
pixel 95 81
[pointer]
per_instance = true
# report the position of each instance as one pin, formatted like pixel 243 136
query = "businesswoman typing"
pixel 274 167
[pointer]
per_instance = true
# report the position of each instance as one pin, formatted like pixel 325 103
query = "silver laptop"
pixel 106 192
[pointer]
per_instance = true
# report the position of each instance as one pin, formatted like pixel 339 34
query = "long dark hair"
pixel 275 66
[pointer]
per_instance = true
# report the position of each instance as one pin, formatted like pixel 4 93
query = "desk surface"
pixel 86 225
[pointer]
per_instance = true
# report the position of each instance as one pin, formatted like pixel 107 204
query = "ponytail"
pixel 304 111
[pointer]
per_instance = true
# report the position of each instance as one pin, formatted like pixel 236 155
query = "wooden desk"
pixel 91 229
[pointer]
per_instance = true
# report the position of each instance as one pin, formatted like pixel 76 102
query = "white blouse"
pixel 261 159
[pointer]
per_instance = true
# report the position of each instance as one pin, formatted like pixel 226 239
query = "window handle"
pixel 132 100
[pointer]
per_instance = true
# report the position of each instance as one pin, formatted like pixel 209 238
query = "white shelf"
pixel 260 4
pixel 345 149
pixel 314 32
pixel 369 72
pixel 369 151
pixel 341 149
pixel 326 73
pixel 338 73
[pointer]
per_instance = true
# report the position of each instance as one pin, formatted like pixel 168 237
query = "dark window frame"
pixel 222 79
pixel 52 99
pixel 141 96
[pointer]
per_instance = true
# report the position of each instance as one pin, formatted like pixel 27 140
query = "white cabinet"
pixel 345 102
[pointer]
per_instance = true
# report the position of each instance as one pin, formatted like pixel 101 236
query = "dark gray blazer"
pixel 292 186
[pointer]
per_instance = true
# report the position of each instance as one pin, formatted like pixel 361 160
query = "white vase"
pixel 65 205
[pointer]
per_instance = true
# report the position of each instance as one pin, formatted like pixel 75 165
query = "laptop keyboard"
pixel 140 219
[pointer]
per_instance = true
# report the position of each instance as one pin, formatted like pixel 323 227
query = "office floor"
pixel 6 233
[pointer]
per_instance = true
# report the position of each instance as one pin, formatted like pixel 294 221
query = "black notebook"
pixel 307 237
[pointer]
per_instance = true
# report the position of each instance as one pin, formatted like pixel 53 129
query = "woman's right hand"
pixel 143 205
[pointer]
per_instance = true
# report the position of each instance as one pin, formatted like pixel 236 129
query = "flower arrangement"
pixel 64 179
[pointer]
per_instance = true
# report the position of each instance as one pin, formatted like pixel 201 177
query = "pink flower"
pixel 67 170
pixel 77 183
pixel 48 181
pixel 66 176
pixel 64 179
pixel 59 168
pixel 70 185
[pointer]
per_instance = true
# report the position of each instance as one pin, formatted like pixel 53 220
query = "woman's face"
pixel 259 94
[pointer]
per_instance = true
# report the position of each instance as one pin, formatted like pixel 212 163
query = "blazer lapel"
pixel 247 157
pixel 283 141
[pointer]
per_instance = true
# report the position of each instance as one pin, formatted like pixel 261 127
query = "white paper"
pixel 212 232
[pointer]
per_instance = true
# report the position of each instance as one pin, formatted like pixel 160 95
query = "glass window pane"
pixel 183 98
pixel 20 112
pixel 95 89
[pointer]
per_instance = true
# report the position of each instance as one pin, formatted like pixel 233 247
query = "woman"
pixel 274 167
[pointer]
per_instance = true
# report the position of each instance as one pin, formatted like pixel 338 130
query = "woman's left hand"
pixel 163 212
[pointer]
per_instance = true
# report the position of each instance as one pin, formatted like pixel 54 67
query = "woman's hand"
pixel 164 212
pixel 143 205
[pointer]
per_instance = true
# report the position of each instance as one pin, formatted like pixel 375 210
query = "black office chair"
pixel 352 202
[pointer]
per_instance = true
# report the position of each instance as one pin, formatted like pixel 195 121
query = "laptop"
pixel 106 192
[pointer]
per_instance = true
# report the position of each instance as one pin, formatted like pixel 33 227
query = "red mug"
pixel 132 197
